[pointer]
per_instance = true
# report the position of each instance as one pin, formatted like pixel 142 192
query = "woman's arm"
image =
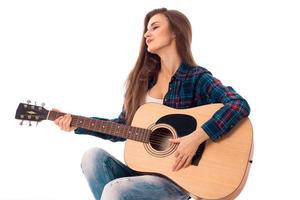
pixel 64 122
pixel 235 106
pixel 120 119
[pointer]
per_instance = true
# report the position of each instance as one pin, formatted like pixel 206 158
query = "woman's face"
pixel 158 35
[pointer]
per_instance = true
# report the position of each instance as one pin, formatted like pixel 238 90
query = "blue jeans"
pixel 110 179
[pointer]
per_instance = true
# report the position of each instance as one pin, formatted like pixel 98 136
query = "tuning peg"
pixel 29 123
pixel 21 123
pixel 43 104
pixel 36 123
pixel 35 103
pixel 28 101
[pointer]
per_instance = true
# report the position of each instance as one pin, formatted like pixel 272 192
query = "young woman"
pixel 165 73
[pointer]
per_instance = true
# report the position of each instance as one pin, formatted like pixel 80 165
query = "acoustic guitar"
pixel 218 170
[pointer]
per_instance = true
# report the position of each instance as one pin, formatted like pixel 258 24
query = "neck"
pixel 170 61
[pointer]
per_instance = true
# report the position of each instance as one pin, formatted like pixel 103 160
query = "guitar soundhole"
pixel 159 139
pixel 159 145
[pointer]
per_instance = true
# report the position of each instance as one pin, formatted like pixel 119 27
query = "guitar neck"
pixel 106 127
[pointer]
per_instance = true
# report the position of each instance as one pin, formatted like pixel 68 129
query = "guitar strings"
pixel 157 138
pixel 160 139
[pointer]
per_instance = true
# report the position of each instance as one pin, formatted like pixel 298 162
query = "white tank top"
pixel 150 99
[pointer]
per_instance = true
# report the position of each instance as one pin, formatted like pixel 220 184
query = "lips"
pixel 148 41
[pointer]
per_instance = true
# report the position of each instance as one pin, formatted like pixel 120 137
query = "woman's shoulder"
pixel 197 70
pixel 187 72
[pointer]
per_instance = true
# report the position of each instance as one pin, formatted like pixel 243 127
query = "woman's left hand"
pixel 187 148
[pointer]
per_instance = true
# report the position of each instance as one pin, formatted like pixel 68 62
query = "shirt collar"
pixel 182 72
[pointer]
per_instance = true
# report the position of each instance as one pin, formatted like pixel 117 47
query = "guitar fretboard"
pixel 106 127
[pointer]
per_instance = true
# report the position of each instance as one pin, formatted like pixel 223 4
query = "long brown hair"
pixel 147 65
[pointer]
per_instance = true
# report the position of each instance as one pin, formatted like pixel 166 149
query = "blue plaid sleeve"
pixel 235 106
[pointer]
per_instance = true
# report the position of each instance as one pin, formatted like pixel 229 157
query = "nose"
pixel 147 34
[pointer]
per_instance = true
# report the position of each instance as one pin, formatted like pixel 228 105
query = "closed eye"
pixel 153 28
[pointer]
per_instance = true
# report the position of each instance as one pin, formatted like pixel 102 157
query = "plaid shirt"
pixel 191 87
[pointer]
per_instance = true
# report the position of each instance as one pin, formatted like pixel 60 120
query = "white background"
pixel 75 56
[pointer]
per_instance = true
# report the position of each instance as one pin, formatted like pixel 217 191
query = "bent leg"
pixel 99 168
pixel 146 187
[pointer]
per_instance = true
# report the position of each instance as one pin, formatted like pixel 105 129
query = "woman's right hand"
pixel 64 122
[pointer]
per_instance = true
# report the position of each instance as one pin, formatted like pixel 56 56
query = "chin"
pixel 152 50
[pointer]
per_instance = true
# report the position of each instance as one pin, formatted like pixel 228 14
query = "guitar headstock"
pixel 30 112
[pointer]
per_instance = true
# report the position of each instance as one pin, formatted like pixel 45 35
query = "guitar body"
pixel 219 169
